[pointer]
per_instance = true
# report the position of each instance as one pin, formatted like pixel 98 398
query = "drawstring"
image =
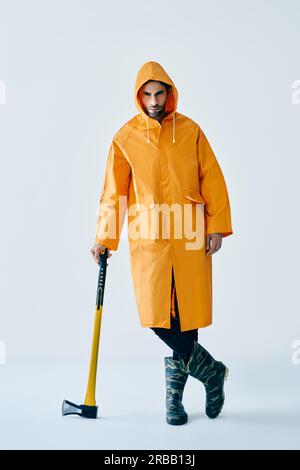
pixel 148 136
pixel 147 130
pixel 173 302
pixel 173 128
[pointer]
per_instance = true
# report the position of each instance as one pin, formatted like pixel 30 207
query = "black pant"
pixel 181 342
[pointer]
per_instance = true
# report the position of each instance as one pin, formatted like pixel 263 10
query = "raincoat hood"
pixel 154 71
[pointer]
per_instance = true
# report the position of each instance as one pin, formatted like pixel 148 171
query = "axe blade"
pixel 85 411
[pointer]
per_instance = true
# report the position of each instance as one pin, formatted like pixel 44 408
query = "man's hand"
pixel 95 252
pixel 216 242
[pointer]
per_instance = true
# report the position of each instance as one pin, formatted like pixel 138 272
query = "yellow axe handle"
pixel 90 399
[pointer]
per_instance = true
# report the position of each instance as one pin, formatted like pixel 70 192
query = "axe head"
pixel 85 411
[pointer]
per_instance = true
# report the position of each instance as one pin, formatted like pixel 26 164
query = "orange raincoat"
pixel 153 165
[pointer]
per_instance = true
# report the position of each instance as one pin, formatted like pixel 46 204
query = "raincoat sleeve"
pixel 112 204
pixel 213 189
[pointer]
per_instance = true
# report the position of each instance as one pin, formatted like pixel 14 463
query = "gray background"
pixel 69 68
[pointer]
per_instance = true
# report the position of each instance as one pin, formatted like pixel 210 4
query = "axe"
pixel 89 408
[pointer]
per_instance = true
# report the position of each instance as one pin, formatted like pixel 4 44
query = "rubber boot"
pixel 202 366
pixel 175 382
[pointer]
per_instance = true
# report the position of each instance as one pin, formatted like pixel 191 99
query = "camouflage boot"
pixel 202 366
pixel 175 382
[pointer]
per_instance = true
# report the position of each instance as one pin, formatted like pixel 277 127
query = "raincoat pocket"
pixel 194 197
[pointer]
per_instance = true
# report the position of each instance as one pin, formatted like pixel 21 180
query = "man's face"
pixel 153 96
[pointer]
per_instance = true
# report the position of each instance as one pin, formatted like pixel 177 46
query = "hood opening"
pixel 154 71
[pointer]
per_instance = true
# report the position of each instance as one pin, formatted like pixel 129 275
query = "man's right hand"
pixel 95 252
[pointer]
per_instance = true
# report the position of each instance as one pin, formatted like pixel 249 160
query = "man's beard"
pixel 155 112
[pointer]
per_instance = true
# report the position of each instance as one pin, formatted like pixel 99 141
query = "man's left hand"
pixel 213 243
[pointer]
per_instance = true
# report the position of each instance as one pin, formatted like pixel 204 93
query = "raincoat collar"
pixel 154 71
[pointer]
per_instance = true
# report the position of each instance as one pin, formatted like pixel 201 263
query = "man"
pixel 162 159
